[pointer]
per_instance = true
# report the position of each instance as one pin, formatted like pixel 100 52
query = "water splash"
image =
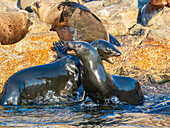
pixel 154 111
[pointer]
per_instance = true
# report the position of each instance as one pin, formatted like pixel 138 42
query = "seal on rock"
pixel 14 26
pixel 61 77
pixel 99 85
pixel 68 15
pixel 26 4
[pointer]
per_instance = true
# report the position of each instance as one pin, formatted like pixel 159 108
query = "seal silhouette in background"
pixel 13 26
pixel 99 85
pixel 61 77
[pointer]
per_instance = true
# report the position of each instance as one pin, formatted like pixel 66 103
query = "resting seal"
pixel 26 4
pixel 62 77
pixel 99 85
pixel 13 26
pixel 68 15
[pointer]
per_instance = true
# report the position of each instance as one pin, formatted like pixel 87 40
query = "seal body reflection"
pixel 99 85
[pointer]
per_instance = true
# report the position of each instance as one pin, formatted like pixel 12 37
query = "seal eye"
pixel 108 49
pixel 78 45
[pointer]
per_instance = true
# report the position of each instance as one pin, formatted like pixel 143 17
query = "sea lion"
pixel 68 15
pixel 27 85
pixel 99 85
pixel 14 26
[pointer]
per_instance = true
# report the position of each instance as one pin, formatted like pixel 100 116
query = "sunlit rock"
pixel 117 15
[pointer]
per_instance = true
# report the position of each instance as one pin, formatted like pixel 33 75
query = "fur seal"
pixel 99 85
pixel 14 26
pixel 27 85
pixel 68 15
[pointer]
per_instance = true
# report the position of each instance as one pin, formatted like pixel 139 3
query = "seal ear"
pixel 114 41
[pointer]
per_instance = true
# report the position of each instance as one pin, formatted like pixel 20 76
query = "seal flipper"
pixel 114 41
pixel 61 49
pixel 71 103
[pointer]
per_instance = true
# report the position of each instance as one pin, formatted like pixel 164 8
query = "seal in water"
pixel 68 15
pixel 62 77
pixel 28 84
pixel 99 85
pixel 13 26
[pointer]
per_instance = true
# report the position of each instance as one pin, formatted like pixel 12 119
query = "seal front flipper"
pixel 71 103
pixel 129 90
pixel 61 49
pixel 114 41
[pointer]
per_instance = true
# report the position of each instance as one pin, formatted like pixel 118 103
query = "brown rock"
pixel 14 26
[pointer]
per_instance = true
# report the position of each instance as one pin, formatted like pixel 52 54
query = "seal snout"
pixel 116 52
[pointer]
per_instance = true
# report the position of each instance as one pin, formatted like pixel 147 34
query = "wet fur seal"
pixel 25 86
pixel 13 26
pixel 67 15
pixel 28 84
pixel 99 85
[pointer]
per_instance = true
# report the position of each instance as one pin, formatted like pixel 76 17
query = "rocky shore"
pixel 145 49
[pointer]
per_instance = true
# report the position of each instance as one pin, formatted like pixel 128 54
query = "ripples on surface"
pixel 154 112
